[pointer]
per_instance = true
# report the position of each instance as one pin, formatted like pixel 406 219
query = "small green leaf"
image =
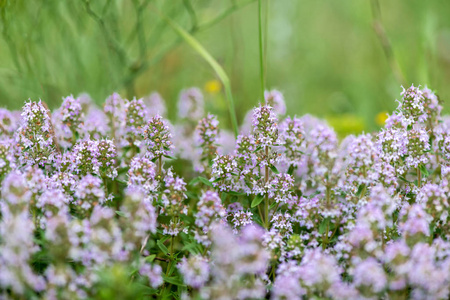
pixel 205 181
pixel 257 200
pixel 191 195
pixel 424 170
pixel 191 248
pixel 291 170
pixel 313 194
pixel 236 193
pixel 194 181
pixel 361 188
pixel 257 149
pixel 121 213
pixel 173 280
pixel 404 179
pixel 274 169
pixel 323 225
pixel 150 258
pixel 162 247
pixel 170 157
pixel 120 181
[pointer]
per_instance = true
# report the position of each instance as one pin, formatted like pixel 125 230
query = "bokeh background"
pixel 341 60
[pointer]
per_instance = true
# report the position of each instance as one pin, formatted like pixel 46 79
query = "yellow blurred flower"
pixel 213 86
pixel 381 118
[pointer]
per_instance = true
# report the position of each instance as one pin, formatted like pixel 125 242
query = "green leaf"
pixel 404 179
pixel 323 225
pixel 170 157
pixel 272 206
pixel 162 247
pixel 274 169
pixel 236 193
pixel 121 213
pixel 150 258
pixel 205 181
pixel 191 195
pixel 360 190
pixel 192 248
pixel 173 280
pixel 257 200
pixel 313 194
pixel 121 181
pixel 194 181
pixel 291 170
pixel 424 170
pixel 257 149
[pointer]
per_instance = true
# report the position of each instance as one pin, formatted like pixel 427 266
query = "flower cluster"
pixel 99 202
pixel 207 135
pixel 158 137
pixel 94 156
pixel 36 138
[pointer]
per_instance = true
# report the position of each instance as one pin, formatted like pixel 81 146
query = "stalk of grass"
pixel 385 43
pixel 261 50
pixel 188 38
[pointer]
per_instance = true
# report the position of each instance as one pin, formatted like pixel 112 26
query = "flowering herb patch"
pixel 119 202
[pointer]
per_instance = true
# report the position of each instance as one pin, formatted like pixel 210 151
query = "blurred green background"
pixel 325 56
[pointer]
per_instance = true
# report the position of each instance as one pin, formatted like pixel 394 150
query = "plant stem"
pixel 261 214
pixel 266 179
pixel 385 43
pixel 144 244
pixel 325 238
pixel 261 50
pixel 105 183
pixel 159 165
pixel 419 178
pixel 328 195
pixel 134 73
pixel 171 256
pixel 212 62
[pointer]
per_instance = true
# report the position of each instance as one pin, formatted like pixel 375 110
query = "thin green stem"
pixel 160 165
pixel 105 183
pixel 261 49
pixel 385 43
pixel 212 62
pixel 171 256
pixel 266 179
pixel 135 72
pixel 419 177
pixel 335 229
pixel 266 30
pixel 192 14
pixel 328 193
pixel 266 211
pixel 112 43
pixel 231 109
pixel 325 238
pixel 261 214
pixel 225 14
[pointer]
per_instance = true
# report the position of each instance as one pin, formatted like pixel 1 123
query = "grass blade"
pixel 212 62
